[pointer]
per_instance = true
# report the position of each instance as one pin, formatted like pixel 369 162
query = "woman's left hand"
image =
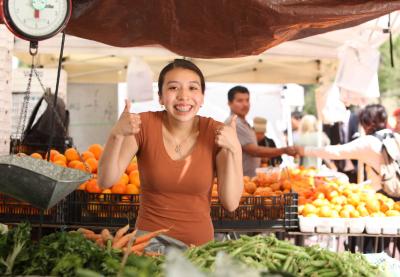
pixel 226 136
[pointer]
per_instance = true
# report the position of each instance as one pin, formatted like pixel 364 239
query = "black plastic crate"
pixel 13 211
pixel 258 213
pixel 254 212
pixel 97 209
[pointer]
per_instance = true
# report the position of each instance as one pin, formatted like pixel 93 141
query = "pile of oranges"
pixel 275 183
pixel 129 182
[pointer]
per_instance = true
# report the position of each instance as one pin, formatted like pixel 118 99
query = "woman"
pixel 178 153
pixel 367 149
pixel 309 136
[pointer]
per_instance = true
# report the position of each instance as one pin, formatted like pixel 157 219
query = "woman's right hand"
pixel 128 123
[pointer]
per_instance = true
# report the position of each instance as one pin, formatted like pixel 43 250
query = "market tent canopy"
pixel 216 28
pixel 301 61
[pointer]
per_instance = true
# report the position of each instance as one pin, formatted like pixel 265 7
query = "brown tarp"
pixel 216 28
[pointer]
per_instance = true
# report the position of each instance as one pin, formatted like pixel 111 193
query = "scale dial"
pixel 36 20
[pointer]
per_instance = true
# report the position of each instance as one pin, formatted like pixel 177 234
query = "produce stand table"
pixel 378 238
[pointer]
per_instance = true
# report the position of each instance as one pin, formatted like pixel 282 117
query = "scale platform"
pixel 38 182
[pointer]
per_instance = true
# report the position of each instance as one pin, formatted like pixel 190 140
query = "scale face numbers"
pixel 36 19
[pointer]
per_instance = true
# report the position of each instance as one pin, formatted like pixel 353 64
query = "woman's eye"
pixel 194 88
pixel 172 88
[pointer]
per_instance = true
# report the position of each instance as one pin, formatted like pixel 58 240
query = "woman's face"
pixel 181 94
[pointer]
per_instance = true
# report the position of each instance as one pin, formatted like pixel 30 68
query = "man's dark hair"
pixel 237 89
pixel 297 115
pixel 373 118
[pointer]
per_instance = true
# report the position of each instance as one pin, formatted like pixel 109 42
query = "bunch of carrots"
pixel 123 240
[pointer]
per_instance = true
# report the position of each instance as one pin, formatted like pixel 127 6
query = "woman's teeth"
pixel 183 108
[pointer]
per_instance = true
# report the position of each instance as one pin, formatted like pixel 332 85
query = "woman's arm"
pixel 118 152
pixel 120 148
pixel 229 166
pixel 353 150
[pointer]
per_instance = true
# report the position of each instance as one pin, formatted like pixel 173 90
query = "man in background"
pixel 239 104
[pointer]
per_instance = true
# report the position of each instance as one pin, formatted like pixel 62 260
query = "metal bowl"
pixel 38 182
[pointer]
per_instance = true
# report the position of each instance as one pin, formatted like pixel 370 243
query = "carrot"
pixel 149 236
pixel 93 237
pixel 121 232
pixel 123 241
pixel 139 247
pixel 106 235
pixel 100 242
pixel 85 231
pixel 152 254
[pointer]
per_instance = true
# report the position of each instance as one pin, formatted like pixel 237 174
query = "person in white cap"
pixel 260 127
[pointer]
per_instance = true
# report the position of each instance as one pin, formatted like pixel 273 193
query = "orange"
pixel 52 154
pixel 83 167
pixel 250 187
pixel 286 185
pixel 92 186
pixel 93 163
pixel 124 179
pixel 246 179
pixel 60 157
pixel 86 155
pixel 396 206
pixel 97 150
pixel 60 163
pixel 134 178
pixel 384 207
pixel 131 167
pixel 118 188
pixel 36 156
pixel 72 164
pixel 275 186
pixel 82 186
pixel 71 154
pixel 132 189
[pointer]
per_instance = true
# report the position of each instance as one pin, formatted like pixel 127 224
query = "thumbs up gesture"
pixel 128 123
pixel 226 136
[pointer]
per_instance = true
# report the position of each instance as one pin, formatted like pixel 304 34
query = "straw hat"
pixel 260 124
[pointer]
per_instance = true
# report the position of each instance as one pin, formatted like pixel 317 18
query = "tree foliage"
pixel 389 77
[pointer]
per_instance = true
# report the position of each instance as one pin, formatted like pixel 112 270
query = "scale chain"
pixel 25 103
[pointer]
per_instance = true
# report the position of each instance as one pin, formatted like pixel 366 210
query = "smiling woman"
pixel 178 153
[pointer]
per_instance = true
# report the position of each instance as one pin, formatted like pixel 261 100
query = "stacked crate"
pixel 6 46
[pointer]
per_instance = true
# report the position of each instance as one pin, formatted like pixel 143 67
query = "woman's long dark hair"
pixel 373 118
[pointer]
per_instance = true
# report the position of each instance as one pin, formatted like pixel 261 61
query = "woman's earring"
pixel 162 107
